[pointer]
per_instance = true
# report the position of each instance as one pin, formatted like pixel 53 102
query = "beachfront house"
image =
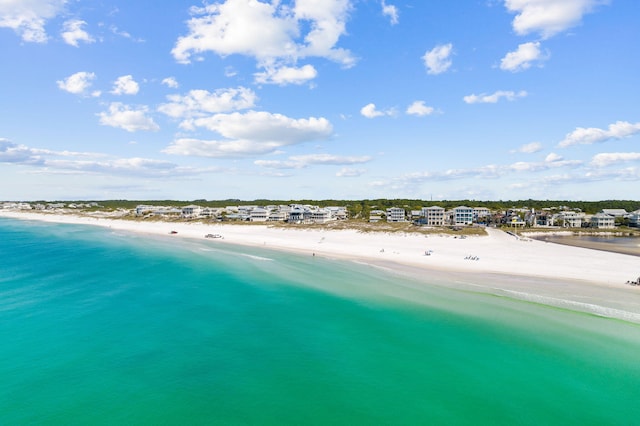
pixel 191 211
pixel 462 215
pixel 17 206
pixel 321 216
pixel 258 214
pixel 396 214
pixel 615 212
pixel 568 219
pixel 602 221
pixel 338 212
pixel 433 216
pixel 539 218
pixel 278 215
pixel 142 210
pixel 299 214
pixel 376 216
pixel 634 219
pixel 480 214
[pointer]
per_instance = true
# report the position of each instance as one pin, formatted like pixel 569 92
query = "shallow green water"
pixel 99 327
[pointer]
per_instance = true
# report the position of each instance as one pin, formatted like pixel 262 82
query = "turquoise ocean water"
pixel 103 327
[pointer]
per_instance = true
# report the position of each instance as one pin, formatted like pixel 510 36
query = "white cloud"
pixel 494 97
pixel 117 31
pixel 390 11
pixel 198 103
pixel 271 32
pixel 438 59
pixel 608 158
pixel 420 109
pixel 286 75
pixel 265 126
pixel 302 161
pixel 88 162
pixel 17 154
pixel 28 18
pixel 170 82
pixel 250 133
pixel 523 57
pixel 73 33
pixel 370 111
pixel 548 17
pixel 588 136
pixel 78 83
pixel 552 157
pixel 349 172
pixel 529 148
pixel 125 85
pixel 124 117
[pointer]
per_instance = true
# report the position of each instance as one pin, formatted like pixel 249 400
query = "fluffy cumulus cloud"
pixel 548 17
pixel 371 111
pixel 199 103
pixel 73 32
pixel 591 135
pixel 420 109
pixel 125 85
pixel 251 133
pixel 286 75
pixel 127 118
pixel 390 11
pixel 79 84
pixel 609 158
pixel 522 58
pixel 28 18
pixel 302 161
pixel 494 97
pixel 438 59
pixel 273 33
pixel 170 82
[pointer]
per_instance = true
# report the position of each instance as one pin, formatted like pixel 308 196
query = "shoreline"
pixel 563 276
pixel 575 241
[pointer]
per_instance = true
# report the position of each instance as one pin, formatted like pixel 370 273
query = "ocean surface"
pixel 106 327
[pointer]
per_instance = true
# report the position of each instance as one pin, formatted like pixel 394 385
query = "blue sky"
pixel 319 99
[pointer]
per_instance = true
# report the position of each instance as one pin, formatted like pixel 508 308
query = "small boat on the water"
pixel 213 236
pixel 173 232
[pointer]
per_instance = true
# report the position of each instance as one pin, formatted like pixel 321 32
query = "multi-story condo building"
pixel 395 214
pixel 433 216
pixel 462 215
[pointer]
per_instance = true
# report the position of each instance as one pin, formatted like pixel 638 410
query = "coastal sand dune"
pixel 542 272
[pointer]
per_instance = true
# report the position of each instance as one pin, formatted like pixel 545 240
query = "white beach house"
pixel 258 214
pixel 603 221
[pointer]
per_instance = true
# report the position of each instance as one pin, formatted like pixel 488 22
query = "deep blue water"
pixel 102 327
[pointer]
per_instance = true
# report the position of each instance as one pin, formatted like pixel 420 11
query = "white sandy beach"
pixel 572 277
